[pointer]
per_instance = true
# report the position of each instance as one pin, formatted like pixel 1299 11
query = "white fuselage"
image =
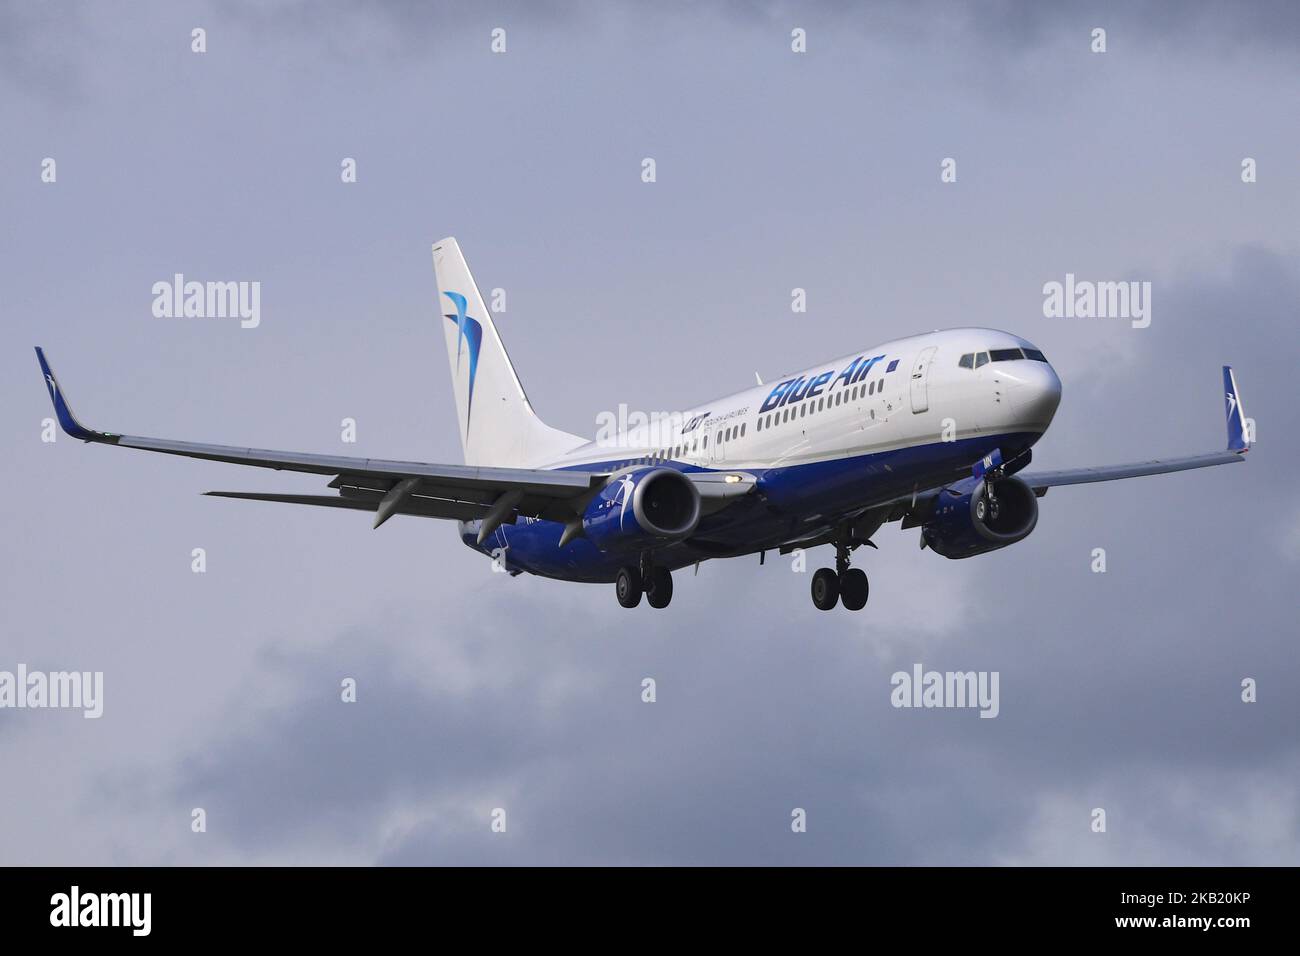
pixel 927 397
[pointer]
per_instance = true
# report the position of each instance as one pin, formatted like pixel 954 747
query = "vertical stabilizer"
pixel 497 423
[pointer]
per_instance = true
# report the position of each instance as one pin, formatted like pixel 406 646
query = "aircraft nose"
pixel 1035 392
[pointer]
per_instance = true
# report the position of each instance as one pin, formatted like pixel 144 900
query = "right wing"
pixel 1238 444
pixel 465 492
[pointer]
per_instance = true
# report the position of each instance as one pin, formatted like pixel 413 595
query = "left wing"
pixel 1239 443
pixel 466 492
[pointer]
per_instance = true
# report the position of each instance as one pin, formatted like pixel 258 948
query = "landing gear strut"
pixel 647 578
pixel 987 505
pixel 844 585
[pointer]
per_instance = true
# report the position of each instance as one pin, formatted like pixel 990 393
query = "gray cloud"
pixel 1118 690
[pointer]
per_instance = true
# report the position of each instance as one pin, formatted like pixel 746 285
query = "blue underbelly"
pixel 789 502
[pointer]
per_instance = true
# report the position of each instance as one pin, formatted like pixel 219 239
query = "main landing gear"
pixel 646 577
pixel 845 585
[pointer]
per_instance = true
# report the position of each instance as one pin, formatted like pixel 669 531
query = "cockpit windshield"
pixel 976 359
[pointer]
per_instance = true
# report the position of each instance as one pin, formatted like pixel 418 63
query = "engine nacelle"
pixel 642 508
pixel 961 523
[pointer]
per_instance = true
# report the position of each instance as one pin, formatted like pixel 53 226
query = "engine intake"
pixel 641 508
pixel 963 523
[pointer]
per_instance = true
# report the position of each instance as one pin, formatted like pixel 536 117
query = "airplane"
pixel 933 431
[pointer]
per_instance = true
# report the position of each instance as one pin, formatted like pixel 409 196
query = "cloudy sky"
pixel 775 170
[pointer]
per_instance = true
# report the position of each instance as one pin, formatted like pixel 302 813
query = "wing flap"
pixel 555 484
pixel 415 505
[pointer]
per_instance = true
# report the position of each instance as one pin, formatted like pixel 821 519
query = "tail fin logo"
pixel 469 337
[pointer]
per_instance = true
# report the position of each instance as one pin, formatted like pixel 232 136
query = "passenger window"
pixel 742 431
pixel 981 359
pixel 967 360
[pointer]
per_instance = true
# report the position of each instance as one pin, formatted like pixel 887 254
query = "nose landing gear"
pixel 992 470
pixel 844 585
pixel 987 506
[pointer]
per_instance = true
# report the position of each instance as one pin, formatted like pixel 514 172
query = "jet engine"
pixel 643 508
pixel 978 515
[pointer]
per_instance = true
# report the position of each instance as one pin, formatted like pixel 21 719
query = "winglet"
pixel 1238 439
pixel 66 419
